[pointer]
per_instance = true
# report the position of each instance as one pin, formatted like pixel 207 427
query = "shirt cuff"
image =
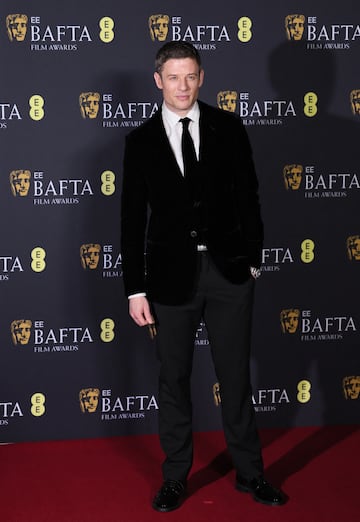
pixel 140 294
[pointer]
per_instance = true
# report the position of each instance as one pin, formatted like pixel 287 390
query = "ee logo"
pixel 244 32
pixel 304 394
pixel 36 103
pixel 307 251
pixel 107 183
pixel 310 107
pixel 38 263
pixel 107 330
pixel 38 404
pixel 106 25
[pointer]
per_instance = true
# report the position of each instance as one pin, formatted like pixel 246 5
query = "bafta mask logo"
pixel 289 320
pixel 294 25
pixel 226 100
pixel 353 248
pixel 89 399
pixel 351 387
pixel 89 105
pixel 159 27
pixel 21 331
pixel 216 394
pixel 16 25
pixel 89 255
pixel 292 176
pixel 20 182
pixel 355 101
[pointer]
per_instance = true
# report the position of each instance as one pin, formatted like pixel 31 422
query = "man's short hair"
pixel 176 50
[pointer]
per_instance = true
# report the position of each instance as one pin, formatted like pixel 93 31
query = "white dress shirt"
pixel 173 129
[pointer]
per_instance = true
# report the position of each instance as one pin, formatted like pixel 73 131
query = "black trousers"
pixel 226 309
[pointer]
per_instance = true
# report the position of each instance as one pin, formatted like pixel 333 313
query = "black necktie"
pixel 188 149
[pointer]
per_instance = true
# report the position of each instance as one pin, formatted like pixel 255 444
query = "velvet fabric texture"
pixel 164 217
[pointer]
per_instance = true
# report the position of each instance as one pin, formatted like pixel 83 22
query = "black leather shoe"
pixel 169 496
pixel 261 491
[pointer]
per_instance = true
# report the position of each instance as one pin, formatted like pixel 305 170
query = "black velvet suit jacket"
pixel 157 210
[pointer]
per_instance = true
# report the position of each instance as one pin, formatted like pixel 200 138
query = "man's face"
pixel 180 81
pixel 160 28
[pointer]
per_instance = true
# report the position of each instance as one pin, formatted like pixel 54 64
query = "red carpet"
pixel 113 480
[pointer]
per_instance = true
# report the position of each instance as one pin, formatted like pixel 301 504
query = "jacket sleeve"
pixel 249 201
pixel 133 217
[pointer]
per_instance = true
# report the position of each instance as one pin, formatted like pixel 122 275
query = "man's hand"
pixel 139 310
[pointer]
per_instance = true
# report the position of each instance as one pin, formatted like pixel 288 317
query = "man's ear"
pixel 201 75
pixel 158 80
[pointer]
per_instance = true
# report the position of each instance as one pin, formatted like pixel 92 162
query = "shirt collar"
pixel 172 118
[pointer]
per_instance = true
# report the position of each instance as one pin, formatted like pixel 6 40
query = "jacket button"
pixel 193 233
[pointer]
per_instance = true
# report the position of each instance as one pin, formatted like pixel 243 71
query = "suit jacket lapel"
pixel 208 142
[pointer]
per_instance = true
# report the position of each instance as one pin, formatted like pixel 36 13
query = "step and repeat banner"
pixel 76 78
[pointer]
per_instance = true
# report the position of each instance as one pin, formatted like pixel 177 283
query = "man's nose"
pixel 184 84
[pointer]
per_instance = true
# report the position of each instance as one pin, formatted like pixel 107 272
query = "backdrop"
pixel 76 78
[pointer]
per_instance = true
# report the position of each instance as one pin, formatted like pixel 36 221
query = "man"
pixel 203 237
